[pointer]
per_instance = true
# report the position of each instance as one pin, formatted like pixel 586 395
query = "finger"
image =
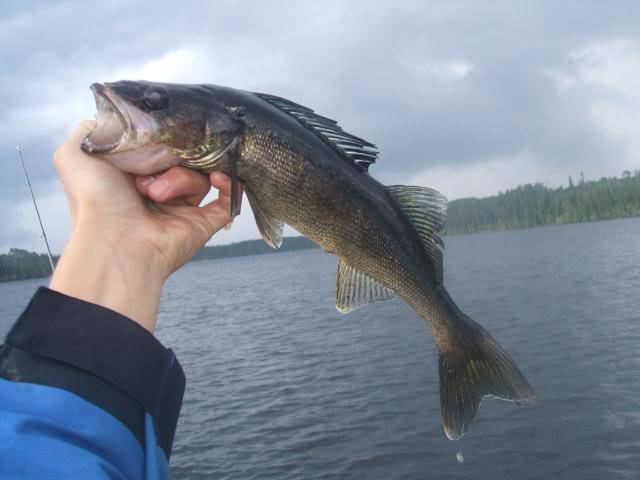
pixel 72 143
pixel 143 182
pixel 223 183
pixel 216 214
pixel 83 129
pixel 175 183
pixel 210 217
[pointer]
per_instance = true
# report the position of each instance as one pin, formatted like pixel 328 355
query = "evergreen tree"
pixel 534 205
pixel 19 264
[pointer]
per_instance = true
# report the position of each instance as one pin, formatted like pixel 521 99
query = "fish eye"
pixel 156 97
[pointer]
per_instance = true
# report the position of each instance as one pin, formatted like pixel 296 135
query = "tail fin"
pixel 476 368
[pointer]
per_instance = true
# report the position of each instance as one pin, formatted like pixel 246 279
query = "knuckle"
pixel 58 157
pixel 176 177
pixel 184 177
pixel 219 212
pixel 192 182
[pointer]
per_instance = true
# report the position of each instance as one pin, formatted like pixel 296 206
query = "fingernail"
pixel 159 188
pixel 228 225
pixel 146 180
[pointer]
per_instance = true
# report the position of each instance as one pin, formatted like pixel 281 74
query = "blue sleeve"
pixel 85 393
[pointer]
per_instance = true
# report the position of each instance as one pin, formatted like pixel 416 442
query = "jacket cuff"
pixel 108 346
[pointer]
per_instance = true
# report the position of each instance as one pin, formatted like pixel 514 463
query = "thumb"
pixel 82 130
pixel 72 143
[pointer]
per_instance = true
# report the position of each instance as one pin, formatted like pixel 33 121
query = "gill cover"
pixel 222 131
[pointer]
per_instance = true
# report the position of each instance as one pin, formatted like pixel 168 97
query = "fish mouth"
pixel 114 127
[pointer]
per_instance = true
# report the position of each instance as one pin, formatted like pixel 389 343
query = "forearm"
pixel 83 381
pixel 109 268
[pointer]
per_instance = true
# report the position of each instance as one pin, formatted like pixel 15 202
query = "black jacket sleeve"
pixel 99 355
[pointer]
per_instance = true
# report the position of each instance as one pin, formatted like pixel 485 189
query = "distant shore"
pixel 537 205
pixel 526 206
pixel 20 264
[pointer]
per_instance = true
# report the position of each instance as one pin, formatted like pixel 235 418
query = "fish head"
pixel 147 127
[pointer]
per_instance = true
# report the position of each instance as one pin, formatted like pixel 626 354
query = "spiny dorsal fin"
pixel 354 149
pixel 356 289
pixel 270 228
pixel 425 208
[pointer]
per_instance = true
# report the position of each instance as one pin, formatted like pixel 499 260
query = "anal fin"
pixel 236 191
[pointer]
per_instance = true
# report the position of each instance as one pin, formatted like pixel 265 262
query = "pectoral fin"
pixel 236 191
pixel 356 289
pixel 270 228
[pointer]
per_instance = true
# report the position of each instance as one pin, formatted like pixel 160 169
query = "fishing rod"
pixel 35 205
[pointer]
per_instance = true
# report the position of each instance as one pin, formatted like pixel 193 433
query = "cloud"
pixel 608 70
pixel 23 230
pixel 562 80
pixel 458 68
pixel 483 178
pixel 479 97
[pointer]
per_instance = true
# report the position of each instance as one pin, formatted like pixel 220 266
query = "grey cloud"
pixel 375 66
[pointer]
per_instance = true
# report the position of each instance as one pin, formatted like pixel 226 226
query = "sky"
pixel 468 97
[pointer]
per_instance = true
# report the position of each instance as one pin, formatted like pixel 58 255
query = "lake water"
pixel 281 386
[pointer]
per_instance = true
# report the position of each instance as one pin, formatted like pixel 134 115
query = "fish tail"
pixel 473 366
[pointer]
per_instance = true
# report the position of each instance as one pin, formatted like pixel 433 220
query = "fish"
pixel 299 168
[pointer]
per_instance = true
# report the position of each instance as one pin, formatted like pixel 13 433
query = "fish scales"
pixel 331 211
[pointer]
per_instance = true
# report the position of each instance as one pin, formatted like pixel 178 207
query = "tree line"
pixel 535 205
pixel 253 247
pixel 19 264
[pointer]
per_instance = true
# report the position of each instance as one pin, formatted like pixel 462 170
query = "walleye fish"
pixel 302 169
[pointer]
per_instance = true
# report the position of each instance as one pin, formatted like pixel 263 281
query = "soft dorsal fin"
pixel 425 208
pixel 270 228
pixel 356 289
pixel 353 149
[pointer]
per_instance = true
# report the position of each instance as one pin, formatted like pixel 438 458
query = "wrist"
pixel 112 268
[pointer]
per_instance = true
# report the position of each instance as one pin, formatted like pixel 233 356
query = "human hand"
pixel 130 233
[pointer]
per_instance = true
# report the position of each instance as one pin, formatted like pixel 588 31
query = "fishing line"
pixel 35 205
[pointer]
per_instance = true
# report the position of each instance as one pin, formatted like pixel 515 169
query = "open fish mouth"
pixel 113 127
